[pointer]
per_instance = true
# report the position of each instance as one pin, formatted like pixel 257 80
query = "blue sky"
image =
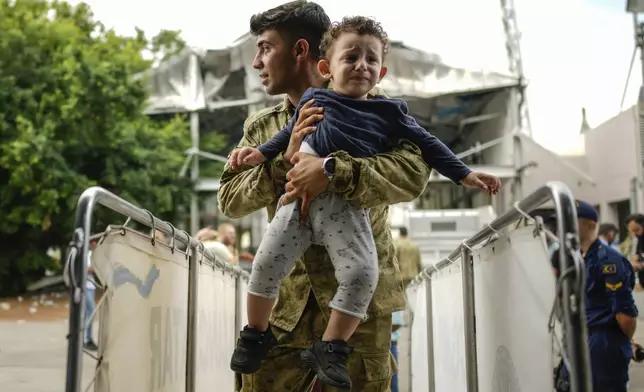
pixel 576 52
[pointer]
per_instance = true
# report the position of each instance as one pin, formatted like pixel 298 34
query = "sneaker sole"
pixel 310 360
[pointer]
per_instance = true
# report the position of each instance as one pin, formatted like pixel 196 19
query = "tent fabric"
pixel 197 79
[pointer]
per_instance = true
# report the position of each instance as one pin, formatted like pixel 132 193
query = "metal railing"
pixel 570 284
pixel 78 253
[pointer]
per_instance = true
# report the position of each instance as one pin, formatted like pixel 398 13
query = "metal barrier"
pixel 77 270
pixel 571 276
pixel 570 284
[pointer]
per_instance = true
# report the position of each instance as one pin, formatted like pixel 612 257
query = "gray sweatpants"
pixel 345 231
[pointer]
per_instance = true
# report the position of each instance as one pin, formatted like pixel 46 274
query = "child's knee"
pixel 360 278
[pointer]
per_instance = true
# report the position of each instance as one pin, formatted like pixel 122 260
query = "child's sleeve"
pixel 279 142
pixel 436 154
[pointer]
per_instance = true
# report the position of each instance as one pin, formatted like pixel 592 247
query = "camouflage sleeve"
pixel 388 178
pixel 250 188
pixel 418 261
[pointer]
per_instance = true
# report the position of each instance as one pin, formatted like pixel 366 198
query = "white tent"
pixel 196 79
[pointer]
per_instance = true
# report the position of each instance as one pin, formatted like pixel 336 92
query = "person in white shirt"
pixel 607 234
pixel 210 241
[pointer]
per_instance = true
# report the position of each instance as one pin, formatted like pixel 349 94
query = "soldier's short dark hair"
pixel 607 228
pixel 360 25
pixel 637 218
pixel 403 231
pixel 295 20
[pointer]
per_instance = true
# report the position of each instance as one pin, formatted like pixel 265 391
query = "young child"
pixel 353 52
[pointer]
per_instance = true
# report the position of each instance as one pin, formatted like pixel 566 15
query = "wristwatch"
pixel 328 165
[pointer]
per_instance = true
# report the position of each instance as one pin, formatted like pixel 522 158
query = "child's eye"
pixel 350 58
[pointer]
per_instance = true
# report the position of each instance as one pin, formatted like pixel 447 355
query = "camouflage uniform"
pixel 301 313
pixel 408 256
pixel 626 247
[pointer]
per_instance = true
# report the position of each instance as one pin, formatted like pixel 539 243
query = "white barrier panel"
pixel 216 329
pixel 449 330
pixel 417 298
pixel 514 293
pixel 243 315
pixel 143 319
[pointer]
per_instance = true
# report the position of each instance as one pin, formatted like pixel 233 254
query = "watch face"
pixel 329 166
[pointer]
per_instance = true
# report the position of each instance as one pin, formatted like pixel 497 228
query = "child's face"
pixel 355 66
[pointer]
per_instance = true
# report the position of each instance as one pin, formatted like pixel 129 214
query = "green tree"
pixel 71 104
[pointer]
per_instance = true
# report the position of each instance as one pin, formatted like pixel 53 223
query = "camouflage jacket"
pixel 409 259
pixel 374 182
pixel 626 246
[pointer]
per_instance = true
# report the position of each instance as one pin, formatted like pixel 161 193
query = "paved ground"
pixel 33 347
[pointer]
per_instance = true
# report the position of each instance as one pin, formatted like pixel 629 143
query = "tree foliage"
pixel 71 116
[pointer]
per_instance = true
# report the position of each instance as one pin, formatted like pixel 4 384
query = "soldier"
pixel 408 255
pixel 610 308
pixel 288 40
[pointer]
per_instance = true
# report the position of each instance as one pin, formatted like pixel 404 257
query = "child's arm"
pixel 279 142
pixel 437 155
pixel 282 140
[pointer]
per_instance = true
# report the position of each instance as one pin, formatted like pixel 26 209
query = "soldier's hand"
pixel 487 182
pixel 305 124
pixel 306 180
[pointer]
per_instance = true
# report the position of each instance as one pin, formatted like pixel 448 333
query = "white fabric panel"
pixel 449 330
pixel 143 320
pixel 515 290
pixel 216 329
pixel 241 290
pixel 418 303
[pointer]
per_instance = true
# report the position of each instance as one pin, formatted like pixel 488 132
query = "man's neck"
pixel 585 245
pixel 312 79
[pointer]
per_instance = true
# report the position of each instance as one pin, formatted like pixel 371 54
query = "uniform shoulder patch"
pixel 614 286
pixel 609 269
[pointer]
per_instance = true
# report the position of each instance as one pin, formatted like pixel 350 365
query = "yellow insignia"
pixel 613 287
pixel 609 269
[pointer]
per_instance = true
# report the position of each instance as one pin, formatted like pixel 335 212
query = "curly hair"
pixel 295 20
pixel 360 25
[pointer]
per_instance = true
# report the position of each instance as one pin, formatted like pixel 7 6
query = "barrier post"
pixel 78 276
pixel 191 344
pixel 469 310
pixel 431 379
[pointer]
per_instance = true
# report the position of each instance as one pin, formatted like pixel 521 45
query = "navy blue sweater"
pixel 365 127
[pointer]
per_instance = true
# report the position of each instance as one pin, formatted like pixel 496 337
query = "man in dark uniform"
pixel 610 308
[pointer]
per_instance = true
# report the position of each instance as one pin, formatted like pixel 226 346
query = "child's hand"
pixel 246 156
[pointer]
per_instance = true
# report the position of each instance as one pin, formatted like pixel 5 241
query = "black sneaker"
pixel 252 347
pixel 91 346
pixel 329 361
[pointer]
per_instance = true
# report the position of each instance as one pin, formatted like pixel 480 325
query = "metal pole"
pixel 431 378
pixel 191 341
pixel 469 320
pixel 573 296
pixel 194 173
pixel 78 277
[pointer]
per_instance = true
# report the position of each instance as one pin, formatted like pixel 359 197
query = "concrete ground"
pixel 33 350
